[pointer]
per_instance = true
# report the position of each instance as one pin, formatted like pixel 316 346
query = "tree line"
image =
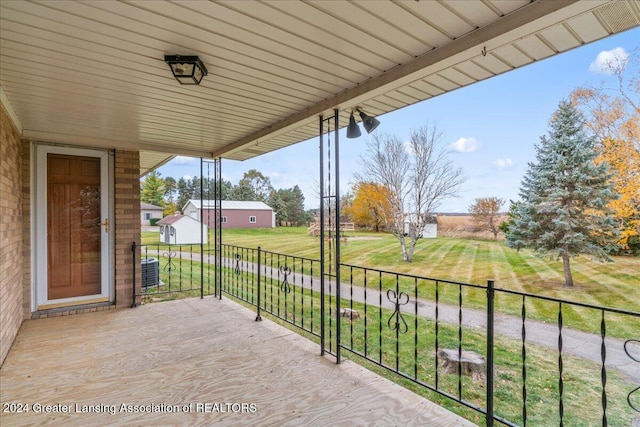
pixel 172 195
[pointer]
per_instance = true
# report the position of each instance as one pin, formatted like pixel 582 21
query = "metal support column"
pixel 330 229
pixel 202 182
pixel 218 227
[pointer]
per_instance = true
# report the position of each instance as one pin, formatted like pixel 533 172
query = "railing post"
pixel 490 326
pixel 202 228
pixel 258 317
pixel 133 257
pixel 336 126
pixel 322 254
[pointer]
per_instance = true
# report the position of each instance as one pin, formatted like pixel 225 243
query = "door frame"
pixel 40 300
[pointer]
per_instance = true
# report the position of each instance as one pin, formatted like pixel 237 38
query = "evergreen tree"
pixel 183 193
pixel 152 190
pixel 276 203
pixel 565 194
pixel 295 206
pixel 169 188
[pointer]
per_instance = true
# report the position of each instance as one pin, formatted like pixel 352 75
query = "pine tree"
pixel 565 194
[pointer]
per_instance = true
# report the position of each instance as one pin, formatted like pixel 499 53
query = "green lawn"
pixel 615 284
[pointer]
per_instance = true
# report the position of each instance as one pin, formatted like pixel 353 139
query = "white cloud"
pixel 406 146
pixel 503 163
pixel 182 160
pixel 187 177
pixel 464 145
pixel 608 61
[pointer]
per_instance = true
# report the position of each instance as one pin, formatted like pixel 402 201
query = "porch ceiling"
pixel 93 73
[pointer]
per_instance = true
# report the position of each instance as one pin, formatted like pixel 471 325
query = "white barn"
pixel 178 229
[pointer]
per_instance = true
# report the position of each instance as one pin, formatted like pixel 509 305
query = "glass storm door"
pixel 73 255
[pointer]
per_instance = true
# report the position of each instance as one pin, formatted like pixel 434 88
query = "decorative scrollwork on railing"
pixel 237 269
pixel 170 266
pixel 398 300
pixel 284 286
pixel 635 359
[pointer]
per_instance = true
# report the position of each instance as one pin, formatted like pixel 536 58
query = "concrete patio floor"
pixel 192 362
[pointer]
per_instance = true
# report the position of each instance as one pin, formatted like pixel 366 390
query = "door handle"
pixel 106 225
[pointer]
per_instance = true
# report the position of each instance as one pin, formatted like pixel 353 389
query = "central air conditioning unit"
pixel 150 272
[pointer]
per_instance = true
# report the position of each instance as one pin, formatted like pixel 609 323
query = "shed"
pixel 430 228
pixel 235 213
pixel 149 212
pixel 181 229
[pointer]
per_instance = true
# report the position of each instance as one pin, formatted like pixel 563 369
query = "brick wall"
pixel 127 227
pixel 11 226
pixel 26 229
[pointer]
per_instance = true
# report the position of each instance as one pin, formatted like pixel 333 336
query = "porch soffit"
pixel 92 73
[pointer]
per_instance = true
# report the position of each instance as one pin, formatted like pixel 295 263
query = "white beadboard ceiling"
pixel 93 72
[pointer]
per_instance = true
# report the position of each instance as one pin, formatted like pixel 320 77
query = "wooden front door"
pixel 74 226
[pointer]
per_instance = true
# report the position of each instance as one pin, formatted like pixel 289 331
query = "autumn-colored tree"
pixel 613 115
pixel 370 207
pixel 485 212
pixel 624 161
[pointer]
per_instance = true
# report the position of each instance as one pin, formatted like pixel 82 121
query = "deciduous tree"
pixel 253 186
pixel 565 195
pixel 485 212
pixel 613 115
pixel 370 207
pixel 418 176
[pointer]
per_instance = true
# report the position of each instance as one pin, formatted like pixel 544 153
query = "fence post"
pixel 258 317
pixel 133 257
pixel 490 336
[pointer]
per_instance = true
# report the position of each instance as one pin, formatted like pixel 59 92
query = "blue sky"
pixel 489 128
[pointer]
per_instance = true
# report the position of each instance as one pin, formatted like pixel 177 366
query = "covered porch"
pixel 91 76
pixel 198 362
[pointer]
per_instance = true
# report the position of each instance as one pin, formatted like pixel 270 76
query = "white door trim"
pixel 40 298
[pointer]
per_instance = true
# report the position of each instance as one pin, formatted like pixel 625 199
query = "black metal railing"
pixel 504 356
pixel 171 270
pixel 284 286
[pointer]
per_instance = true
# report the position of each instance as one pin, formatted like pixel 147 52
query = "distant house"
pixel 148 212
pixel 178 229
pixel 235 214
pixel 430 229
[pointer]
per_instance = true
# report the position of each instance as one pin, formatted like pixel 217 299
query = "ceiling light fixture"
pixel 188 70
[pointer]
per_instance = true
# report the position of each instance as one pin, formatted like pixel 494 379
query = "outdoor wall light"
pixel 368 122
pixel 188 70
pixel 353 130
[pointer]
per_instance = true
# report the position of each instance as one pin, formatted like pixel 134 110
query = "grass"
pixel 615 284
